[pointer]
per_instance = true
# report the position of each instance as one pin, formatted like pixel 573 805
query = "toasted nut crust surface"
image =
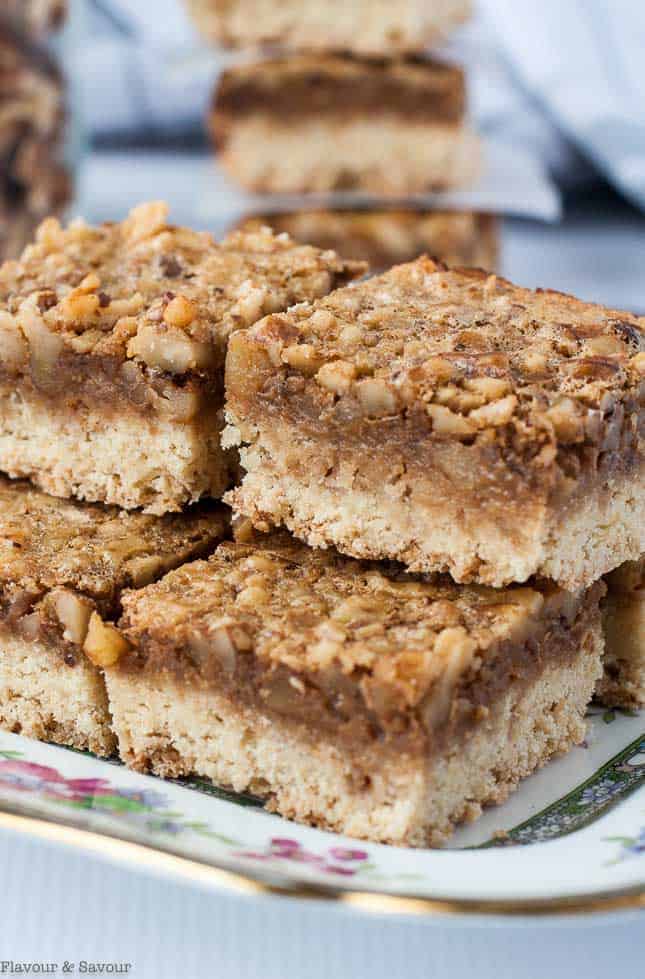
pixel 163 297
pixel 62 562
pixel 386 238
pixel 467 340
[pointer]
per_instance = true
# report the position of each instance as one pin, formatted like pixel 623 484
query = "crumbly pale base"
pixel 122 458
pixel 41 697
pixel 385 155
pixel 397 520
pixel 362 26
pixel 170 729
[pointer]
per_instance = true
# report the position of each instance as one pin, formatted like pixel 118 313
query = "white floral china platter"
pixel 571 839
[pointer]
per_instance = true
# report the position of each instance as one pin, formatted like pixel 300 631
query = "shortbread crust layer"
pixel 320 155
pixel 170 729
pixel 45 698
pixel 428 512
pixel 131 456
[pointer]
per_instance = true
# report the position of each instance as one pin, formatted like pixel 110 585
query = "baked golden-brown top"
pixel 47 543
pixel 315 613
pixel 149 293
pixel 469 353
pixel 338 84
pixel 386 237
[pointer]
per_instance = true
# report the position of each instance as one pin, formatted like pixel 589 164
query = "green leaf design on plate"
pixel 208 788
pixel 612 783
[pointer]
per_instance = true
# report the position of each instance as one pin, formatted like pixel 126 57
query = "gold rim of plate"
pixel 147 857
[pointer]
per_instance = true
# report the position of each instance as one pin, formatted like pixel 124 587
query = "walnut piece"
pixel 73 613
pixel 179 312
pixel 104 644
pixel 14 352
pixel 170 349
pixel 302 357
pixel 336 376
pixel 447 422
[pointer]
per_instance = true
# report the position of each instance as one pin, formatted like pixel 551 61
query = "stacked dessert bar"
pixel 33 179
pixel 351 102
pixel 112 346
pixel 437 469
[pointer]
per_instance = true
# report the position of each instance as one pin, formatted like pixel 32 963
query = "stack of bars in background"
pixel 429 471
pixel 33 180
pixel 349 100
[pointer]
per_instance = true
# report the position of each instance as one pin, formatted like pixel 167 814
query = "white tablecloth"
pixel 58 905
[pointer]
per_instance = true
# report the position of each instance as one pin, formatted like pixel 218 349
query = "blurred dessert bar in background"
pixel 112 346
pixel 311 123
pixel 34 181
pixel 374 27
pixel 63 567
pixel 623 682
pixel 348 694
pixel 448 420
pixel 383 238
pixel 350 101
pixel 33 18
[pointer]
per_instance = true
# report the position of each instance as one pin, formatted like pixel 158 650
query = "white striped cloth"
pixel 564 79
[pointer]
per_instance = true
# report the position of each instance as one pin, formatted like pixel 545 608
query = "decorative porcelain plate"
pixel 572 838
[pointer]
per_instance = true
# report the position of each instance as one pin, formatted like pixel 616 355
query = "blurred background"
pixel 539 172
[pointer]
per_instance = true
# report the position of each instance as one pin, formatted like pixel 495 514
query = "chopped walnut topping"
pixel 638 363
pixel 495 414
pixel 79 309
pixel 170 350
pixel 471 353
pixel 71 559
pixel 179 293
pixel 567 420
pixel 301 357
pixel 145 221
pixel 15 352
